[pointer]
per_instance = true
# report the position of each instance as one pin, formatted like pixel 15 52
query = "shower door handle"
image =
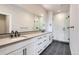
pixel 71 27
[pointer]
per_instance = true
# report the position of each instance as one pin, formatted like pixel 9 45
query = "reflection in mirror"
pixel 3 24
pixel 39 23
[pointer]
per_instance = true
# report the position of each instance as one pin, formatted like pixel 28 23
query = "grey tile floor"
pixel 57 48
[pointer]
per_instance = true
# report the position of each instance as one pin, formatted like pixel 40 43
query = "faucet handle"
pixel 12 34
pixel 17 34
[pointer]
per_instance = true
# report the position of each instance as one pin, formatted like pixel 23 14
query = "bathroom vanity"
pixel 17 19
pixel 30 44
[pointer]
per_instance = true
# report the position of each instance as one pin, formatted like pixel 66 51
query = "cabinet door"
pixel 13 53
pixel 42 44
pixel 21 51
pixel 31 49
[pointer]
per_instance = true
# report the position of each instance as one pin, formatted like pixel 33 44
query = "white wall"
pixel 74 33
pixel 36 9
pixel 49 22
pixel 21 19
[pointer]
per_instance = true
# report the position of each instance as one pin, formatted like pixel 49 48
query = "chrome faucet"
pixel 17 34
pixel 14 34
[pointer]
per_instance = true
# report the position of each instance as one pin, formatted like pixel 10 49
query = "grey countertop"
pixel 8 40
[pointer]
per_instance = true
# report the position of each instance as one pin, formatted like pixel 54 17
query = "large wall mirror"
pixel 30 23
pixel 4 23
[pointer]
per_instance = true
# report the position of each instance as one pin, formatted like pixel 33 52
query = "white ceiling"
pixel 56 7
pixel 38 8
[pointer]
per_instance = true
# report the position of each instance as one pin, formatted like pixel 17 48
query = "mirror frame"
pixel 9 22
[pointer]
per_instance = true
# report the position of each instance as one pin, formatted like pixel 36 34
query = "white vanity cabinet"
pixel 35 47
pixel 32 46
pixel 42 43
pixel 22 51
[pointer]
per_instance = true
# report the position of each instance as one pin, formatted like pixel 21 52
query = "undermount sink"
pixel 16 38
pixel 24 36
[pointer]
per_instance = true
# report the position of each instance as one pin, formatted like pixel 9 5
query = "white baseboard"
pixel 61 40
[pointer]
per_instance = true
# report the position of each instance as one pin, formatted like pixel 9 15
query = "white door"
pixel 61 23
pixel 74 32
pixel 66 29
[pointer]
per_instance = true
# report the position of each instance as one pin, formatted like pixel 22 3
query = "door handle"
pixel 70 27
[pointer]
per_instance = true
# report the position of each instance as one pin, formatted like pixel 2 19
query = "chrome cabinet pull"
pixel 23 52
pixel 39 43
pixel 45 46
pixel 40 38
pixel 39 50
pixel 44 40
pixel 71 27
pixel 44 36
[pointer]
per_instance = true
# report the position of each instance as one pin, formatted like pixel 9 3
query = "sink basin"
pixel 24 36
pixel 15 38
pixel 18 38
